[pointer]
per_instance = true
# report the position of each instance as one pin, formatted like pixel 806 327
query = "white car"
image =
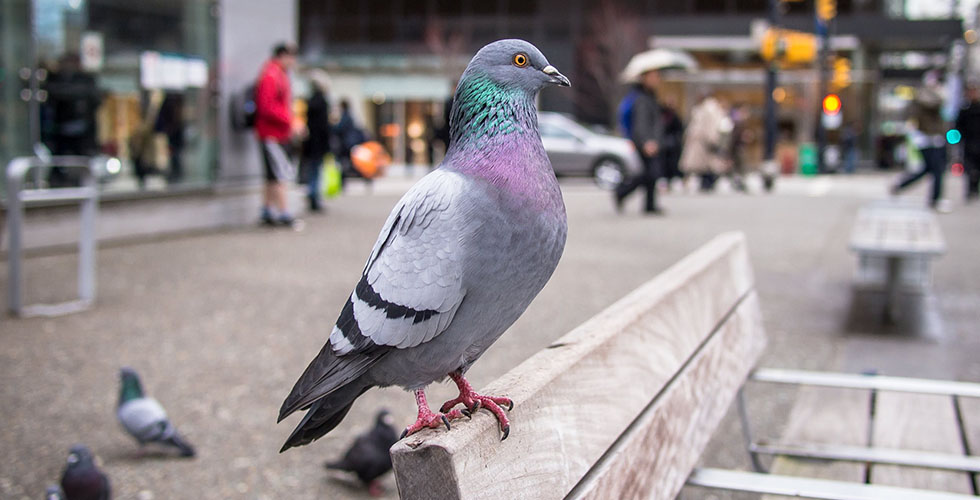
pixel 576 150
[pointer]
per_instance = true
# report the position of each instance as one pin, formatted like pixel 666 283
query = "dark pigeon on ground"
pixel 368 457
pixel 144 418
pixel 54 493
pixel 459 259
pixel 82 479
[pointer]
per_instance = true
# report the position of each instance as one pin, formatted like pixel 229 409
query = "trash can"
pixel 808 158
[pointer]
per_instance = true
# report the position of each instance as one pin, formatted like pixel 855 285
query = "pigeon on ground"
pixel 368 457
pixel 82 480
pixel 144 418
pixel 53 493
pixel 459 259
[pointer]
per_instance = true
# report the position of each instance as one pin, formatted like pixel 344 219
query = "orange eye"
pixel 520 60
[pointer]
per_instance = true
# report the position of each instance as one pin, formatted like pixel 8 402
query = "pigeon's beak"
pixel 556 77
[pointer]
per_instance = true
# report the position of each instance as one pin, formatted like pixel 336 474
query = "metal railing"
pixel 18 198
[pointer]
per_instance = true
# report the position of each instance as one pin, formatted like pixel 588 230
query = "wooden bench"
pixel 895 244
pixel 620 407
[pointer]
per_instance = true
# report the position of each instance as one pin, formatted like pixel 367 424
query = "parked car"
pixel 576 150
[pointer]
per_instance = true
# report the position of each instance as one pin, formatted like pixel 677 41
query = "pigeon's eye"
pixel 520 60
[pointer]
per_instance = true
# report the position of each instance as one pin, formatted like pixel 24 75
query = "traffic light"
pixel 953 136
pixel 826 9
pixel 788 46
pixel 831 105
pixel 842 73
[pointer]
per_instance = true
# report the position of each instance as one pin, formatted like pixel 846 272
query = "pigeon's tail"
pixel 338 465
pixel 186 450
pixel 325 414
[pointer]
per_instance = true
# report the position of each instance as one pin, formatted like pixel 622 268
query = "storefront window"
pixel 131 80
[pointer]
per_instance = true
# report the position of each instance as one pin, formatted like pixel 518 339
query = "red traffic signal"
pixel 831 104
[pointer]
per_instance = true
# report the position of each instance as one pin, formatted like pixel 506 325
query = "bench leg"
pixel 891 289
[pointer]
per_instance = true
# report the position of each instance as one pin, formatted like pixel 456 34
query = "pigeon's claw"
pixel 473 401
pixel 428 419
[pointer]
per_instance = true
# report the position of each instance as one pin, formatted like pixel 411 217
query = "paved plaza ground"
pixel 220 325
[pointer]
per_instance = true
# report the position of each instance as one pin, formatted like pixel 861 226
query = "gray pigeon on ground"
pixel 82 479
pixel 144 418
pixel 459 259
pixel 54 493
pixel 368 456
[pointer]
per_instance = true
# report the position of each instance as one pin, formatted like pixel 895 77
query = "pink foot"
pixel 375 489
pixel 427 418
pixel 473 402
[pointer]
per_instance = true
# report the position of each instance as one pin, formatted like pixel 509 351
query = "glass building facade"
pixel 130 80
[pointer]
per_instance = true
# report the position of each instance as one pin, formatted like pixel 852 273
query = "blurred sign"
pixel 826 9
pixel 171 72
pixel 91 51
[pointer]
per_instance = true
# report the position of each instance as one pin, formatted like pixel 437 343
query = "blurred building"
pixel 147 82
pixel 370 47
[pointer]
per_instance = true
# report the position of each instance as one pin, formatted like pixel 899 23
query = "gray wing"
pixel 144 419
pixel 412 283
pixel 408 292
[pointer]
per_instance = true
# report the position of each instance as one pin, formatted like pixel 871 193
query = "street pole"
pixel 772 79
pixel 823 31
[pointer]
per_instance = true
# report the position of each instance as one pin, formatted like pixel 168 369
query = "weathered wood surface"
pixel 575 399
pixel 826 415
pixel 917 422
pixel 970 411
pixel 896 230
pixel 653 458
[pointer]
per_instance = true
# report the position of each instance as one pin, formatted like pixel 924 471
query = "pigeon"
pixel 82 480
pixel 54 493
pixel 459 259
pixel 144 418
pixel 368 457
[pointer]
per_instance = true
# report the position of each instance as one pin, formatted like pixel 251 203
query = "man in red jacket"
pixel 275 128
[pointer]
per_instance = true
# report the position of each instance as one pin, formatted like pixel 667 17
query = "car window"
pixel 550 130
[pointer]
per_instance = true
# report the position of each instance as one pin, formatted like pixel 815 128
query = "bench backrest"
pixel 620 407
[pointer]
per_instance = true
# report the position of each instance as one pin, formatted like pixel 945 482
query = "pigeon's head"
pixel 515 64
pixel 130 387
pixel 79 456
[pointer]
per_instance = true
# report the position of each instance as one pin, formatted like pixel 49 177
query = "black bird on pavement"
pixel 82 479
pixel 368 457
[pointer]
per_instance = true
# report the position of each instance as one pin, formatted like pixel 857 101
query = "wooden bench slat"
pixel 826 415
pixel 917 422
pixel 970 411
pixel 574 400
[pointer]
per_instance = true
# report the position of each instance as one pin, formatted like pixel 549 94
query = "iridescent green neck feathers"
pixel 484 108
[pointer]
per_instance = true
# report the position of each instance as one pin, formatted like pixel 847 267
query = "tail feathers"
pixel 324 415
pixel 186 450
pixel 325 374
pixel 338 465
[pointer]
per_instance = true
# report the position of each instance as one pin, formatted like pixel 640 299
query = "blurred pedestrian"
pixel 672 144
pixel 849 144
pixel 929 137
pixel 276 128
pixel 317 143
pixel 68 124
pixel 647 134
pixel 170 122
pixel 706 142
pixel 348 135
pixel 736 151
pixel 968 124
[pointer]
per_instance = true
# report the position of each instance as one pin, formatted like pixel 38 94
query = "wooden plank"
pixel 654 456
pixel 826 415
pixel 970 411
pixel 917 422
pixel 575 399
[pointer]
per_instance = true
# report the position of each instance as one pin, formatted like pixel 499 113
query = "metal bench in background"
pixel 19 197
pixel 895 244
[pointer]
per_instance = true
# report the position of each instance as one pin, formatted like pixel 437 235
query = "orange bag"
pixel 370 159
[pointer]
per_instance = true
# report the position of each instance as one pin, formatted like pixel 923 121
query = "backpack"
pixel 242 108
pixel 625 113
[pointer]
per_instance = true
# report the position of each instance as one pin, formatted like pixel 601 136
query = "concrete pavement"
pixel 220 325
